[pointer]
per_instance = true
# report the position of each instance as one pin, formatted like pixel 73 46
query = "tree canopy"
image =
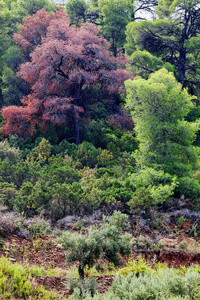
pixel 62 69
pixel 158 106
pixel 174 37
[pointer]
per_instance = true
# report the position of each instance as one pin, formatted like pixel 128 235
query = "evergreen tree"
pixel 174 37
pixel 166 154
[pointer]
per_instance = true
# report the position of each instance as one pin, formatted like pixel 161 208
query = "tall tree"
pixel 142 8
pixel 33 29
pixel 76 10
pixel 11 14
pixel 67 64
pixel 114 16
pixel 159 106
pixel 174 37
pixel 111 15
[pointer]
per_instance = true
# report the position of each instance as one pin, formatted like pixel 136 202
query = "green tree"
pixel 107 242
pixel 143 63
pixel 9 154
pixel 114 16
pixel 76 10
pixel 111 15
pixel 11 14
pixel 144 7
pixel 24 8
pixel 174 38
pixel 159 106
pixel 93 12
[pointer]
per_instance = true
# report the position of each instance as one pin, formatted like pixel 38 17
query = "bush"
pixel 88 285
pixel 86 154
pixel 39 227
pixel 8 153
pixel 41 152
pixel 32 199
pixel 95 133
pixel 64 148
pixel 9 223
pixel 65 199
pixel 107 242
pixel 7 193
pixel 165 283
pixel 101 171
pixel 60 173
pixel 15 282
pixel 189 187
pixel 152 187
pixel 104 158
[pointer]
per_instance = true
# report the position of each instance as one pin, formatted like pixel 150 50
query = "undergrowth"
pixel 138 281
pixel 16 281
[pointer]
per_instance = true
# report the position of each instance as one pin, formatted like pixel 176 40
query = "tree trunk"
pixel 81 272
pixel 181 66
pixel 76 129
pixel 76 117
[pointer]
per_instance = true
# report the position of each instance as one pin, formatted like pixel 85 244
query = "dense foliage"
pixel 106 243
pixel 85 126
pixel 162 283
pixel 60 83
pixel 173 38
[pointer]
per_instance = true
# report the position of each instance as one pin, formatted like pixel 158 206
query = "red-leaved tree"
pixel 33 29
pixel 67 62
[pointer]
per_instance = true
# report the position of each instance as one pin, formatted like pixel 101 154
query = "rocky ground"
pixel 170 237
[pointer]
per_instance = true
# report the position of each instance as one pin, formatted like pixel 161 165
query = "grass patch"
pixel 16 281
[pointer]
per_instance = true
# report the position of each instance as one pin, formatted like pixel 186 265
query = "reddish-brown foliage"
pixel 22 120
pixel 122 121
pixel 33 29
pixel 67 60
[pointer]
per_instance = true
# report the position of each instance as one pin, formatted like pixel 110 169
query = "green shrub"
pixel 95 132
pixel 31 199
pixel 15 281
pixel 104 158
pixel 164 283
pixel 189 187
pixel 152 187
pixel 64 148
pixel 107 243
pixel 65 198
pixel 39 227
pixel 9 223
pixel 59 173
pixel 180 221
pixel 86 154
pixel 8 153
pixel 41 152
pixel 135 267
pixel 101 171
pixel 121 142
pixel 88 285
pixel 7 193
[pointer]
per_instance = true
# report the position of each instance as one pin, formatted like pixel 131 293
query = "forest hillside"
pixel 99 149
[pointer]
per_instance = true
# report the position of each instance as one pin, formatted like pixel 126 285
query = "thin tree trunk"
pixel 181 66
pixel 81 272
pixel 76 129
pixel 76 117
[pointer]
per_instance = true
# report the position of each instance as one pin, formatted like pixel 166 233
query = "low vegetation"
pixel 17 281
pixel 162 283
